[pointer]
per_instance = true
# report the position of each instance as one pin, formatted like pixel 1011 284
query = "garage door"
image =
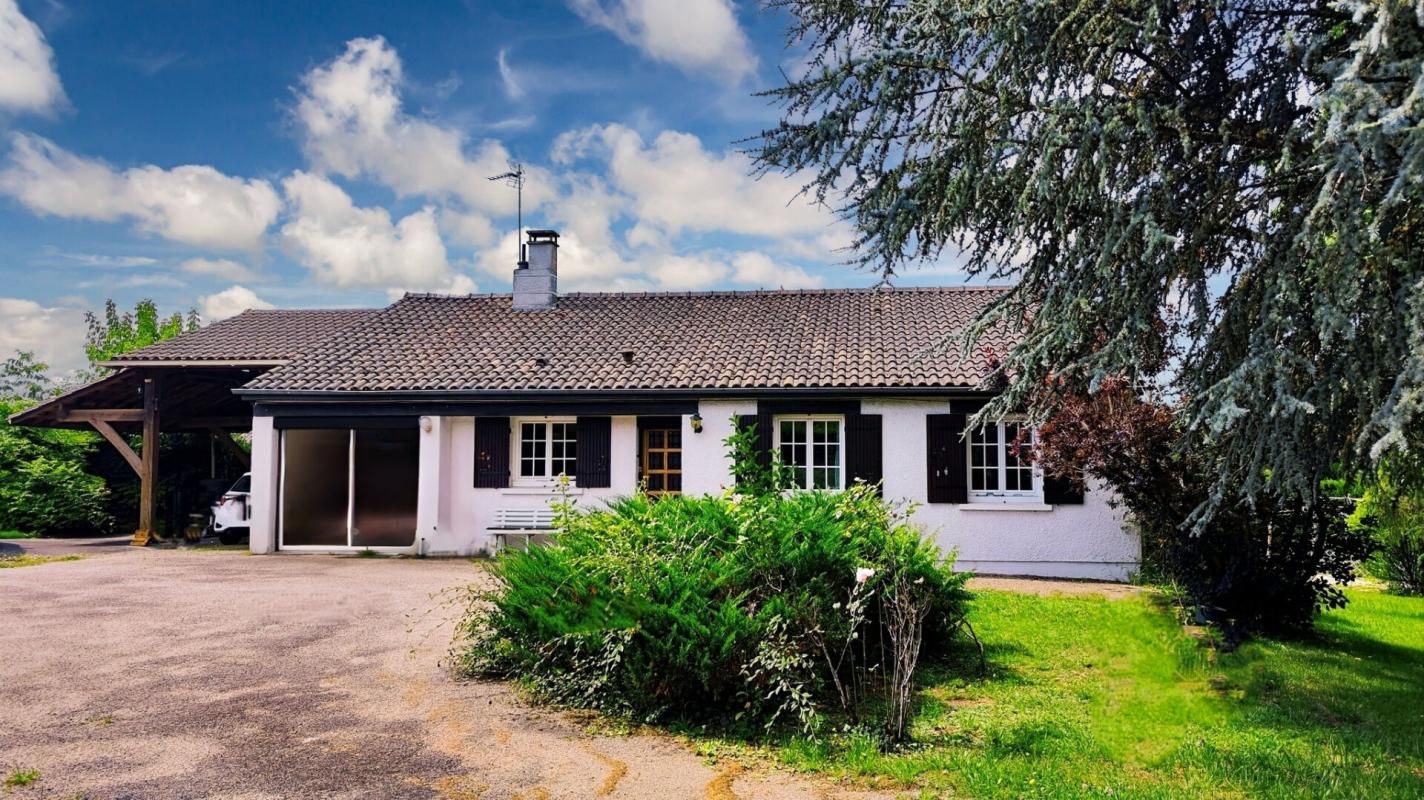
pixel 349 487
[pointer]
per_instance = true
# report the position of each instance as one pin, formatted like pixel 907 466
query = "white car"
pixel 232 513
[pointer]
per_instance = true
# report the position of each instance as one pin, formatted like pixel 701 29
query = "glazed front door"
pixel 662 460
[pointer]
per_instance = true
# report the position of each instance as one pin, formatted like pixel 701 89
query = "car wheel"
pixel 233 536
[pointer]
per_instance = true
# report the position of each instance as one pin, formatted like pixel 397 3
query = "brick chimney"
pixel 536 281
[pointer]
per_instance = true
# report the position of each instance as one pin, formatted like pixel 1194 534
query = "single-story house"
pixel 441 424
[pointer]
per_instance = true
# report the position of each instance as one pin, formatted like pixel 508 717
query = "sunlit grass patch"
pixel 1089 697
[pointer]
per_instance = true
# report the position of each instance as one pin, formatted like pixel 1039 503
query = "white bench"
pixel 526 522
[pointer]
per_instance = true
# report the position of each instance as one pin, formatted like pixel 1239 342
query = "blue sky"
pixel 228 155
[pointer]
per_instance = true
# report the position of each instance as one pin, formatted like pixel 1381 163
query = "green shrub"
pixel 736 610
pixel 45 487
pixel 1394 515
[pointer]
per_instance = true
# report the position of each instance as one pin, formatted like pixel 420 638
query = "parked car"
pixel 231 515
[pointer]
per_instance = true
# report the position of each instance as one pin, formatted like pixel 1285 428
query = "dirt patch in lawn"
pixel 1045 587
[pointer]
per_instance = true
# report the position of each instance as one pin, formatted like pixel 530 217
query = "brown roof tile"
pixel 274 335
pixel 852 338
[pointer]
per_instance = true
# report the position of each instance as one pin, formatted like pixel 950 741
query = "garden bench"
pixel 525 522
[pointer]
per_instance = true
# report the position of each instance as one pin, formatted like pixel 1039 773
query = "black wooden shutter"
pixel 763 423
pixel 763 435
pixel 864 449
pixel 766 429
pixel 492 446
pixel 1061 492
pixel 595 448
pixel 948 468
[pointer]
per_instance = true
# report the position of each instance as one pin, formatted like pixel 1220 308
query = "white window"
pixel 544 449
pixel 997 471
pixel 814 448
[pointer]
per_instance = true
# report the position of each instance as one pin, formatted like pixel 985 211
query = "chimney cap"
pixel 541 235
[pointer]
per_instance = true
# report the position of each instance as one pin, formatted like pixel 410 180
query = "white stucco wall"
pixel 1067 541
pixel 262 534
pixel 454 517
pixel 465 514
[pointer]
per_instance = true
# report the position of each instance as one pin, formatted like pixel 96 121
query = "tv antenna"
pixel 515 177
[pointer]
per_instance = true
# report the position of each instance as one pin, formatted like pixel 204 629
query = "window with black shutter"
pixel 947 465
pixel 544 448
pixel 813 449
pixel 491 452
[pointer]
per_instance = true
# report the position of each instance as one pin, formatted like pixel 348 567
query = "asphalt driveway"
pixel 169 674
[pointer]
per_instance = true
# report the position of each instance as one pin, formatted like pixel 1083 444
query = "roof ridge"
pixel 329 309
pixel 730 292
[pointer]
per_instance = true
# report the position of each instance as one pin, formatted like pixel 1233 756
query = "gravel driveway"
pixel 169 674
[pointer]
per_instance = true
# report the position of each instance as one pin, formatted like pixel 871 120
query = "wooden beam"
pixel 107 431
pixel 238 424
pixel 103 414
pixel 225 439
pixel 148 476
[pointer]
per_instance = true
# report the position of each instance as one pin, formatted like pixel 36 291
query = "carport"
pixel 185 385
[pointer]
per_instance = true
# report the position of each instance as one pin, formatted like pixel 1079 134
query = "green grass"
pixel 16 535
pixel 30 560
pixel 1088 697
pixel 22 777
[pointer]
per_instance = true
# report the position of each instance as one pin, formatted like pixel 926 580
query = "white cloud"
pixel 224 268
pixel 148 281
pixel 675 185
pixel 586 210
pixel 104 261
pixel 512 88
pixel 28 80
pixel 229 303
pixel 347 246
pixel 581 267
pixel 679 273
pixel 698 36
pixel 604 269
pixel 472 229
pixel 350 114
pixel 55 335
pixel 194 205
pixel 758 270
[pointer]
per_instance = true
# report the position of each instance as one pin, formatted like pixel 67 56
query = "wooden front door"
pixel 662 460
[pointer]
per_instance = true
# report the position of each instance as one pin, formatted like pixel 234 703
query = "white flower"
pixel 864 574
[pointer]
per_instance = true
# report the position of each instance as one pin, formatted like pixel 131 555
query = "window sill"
pixel 545 491
pixel 1005 507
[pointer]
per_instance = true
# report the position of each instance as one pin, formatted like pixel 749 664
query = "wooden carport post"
pixel 148 474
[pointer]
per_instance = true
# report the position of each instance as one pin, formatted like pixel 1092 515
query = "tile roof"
pixel 626 341
pixel 274 335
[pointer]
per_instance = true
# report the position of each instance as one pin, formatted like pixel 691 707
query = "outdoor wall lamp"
pixel 696 422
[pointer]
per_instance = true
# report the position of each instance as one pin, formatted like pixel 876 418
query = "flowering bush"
pixel 745 609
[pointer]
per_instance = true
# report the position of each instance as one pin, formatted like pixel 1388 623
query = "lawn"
pixel 16 535
pixel 1088 697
